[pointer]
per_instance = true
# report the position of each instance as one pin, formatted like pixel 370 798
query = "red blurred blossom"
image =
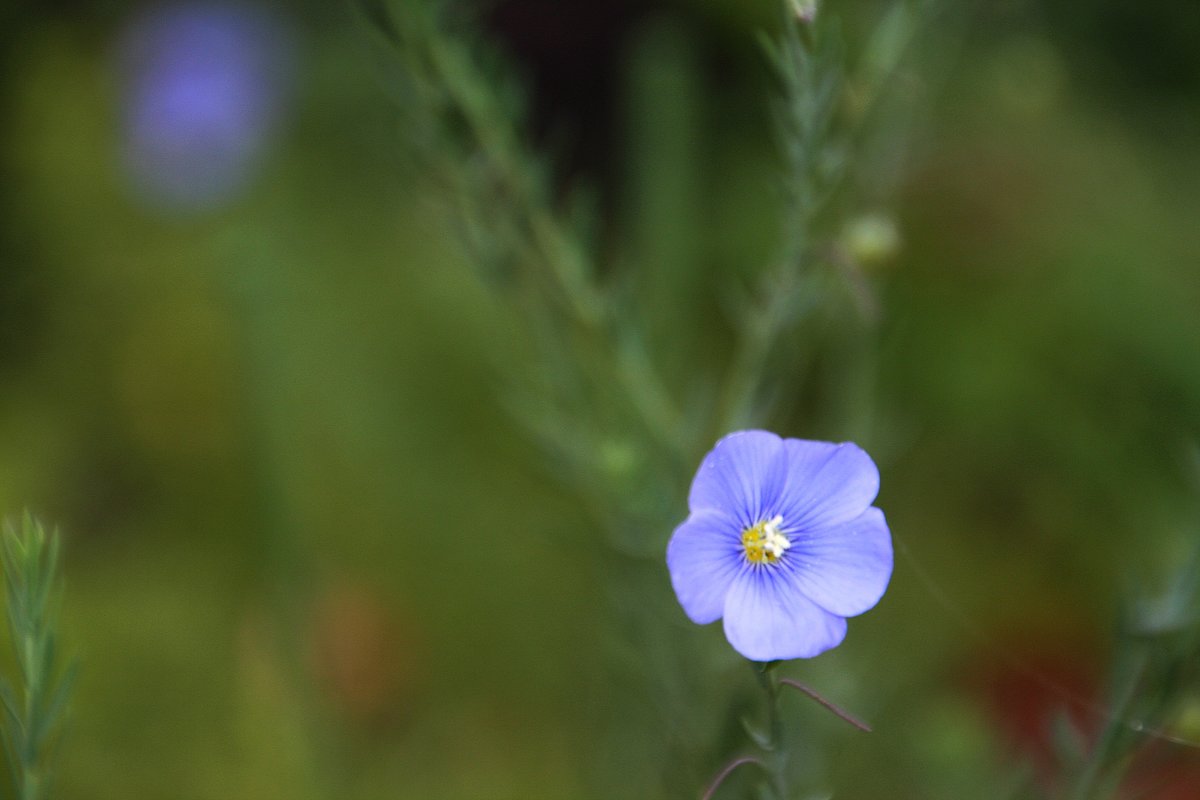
pixel 366 657
pixel 1163 771
pixel 1032 684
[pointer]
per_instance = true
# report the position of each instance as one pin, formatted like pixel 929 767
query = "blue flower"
pixel 204 84
pixel 782 542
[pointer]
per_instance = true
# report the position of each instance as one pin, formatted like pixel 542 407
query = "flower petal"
pixel 767 618
pixel 742 476
pixel 826 484
pixel 703 557
pixel 844 568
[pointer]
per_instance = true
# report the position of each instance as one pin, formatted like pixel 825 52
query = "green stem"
pixel 563 277
pixel 829 706
pixel 755 340
pixel 31 787
pixel 1107 750
pixel 776 746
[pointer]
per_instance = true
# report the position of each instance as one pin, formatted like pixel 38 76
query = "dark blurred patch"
pixel 101 490
pixel 1141 55
pixel 574 56
pixel 21 314
pixel 968 202
pixel 571 53
pixel 22 311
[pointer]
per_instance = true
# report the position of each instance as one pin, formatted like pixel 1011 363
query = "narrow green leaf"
pixel 34 708
pixel 56 708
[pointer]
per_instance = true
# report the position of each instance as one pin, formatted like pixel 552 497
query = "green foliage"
pixel 596 380
pixel 35 705
pixel 608 395
pixel 1023 362
pixel 1154 677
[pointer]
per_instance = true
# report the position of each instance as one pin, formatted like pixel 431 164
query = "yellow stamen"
pixel 764 543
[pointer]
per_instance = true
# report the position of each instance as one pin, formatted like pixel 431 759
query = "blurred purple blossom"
pixel 203 87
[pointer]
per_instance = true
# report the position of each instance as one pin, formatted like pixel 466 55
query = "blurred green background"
pixel 309 553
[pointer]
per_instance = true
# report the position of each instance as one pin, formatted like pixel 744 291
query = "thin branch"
pixel 727 771
pixel 837 711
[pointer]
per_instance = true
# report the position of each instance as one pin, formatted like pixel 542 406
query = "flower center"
pixel 764 543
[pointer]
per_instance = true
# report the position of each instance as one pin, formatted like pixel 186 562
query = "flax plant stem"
pixel 753 346
pixel 828 705
pixel 726 772
pixel 810 81
pixel 561 276
pixel 776 744
pixel 1091 782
